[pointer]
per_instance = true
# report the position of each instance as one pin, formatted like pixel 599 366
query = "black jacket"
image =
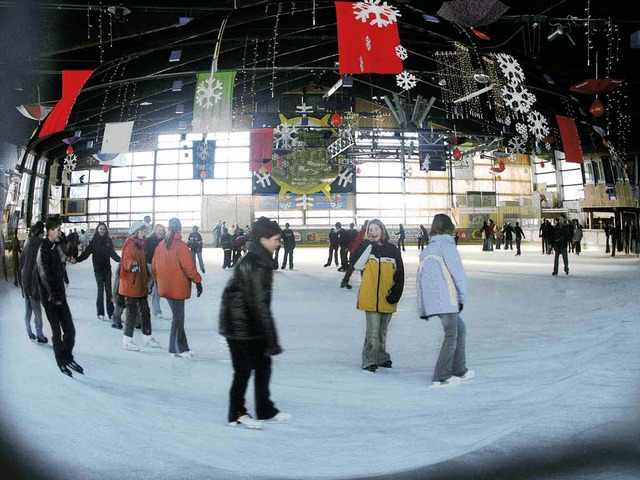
pixel 226 241
pixel 50 273
pixel 29 267
pixel 150 244
pixel 288 239
pixel 101 249
pixel 195 242
pixel 245 310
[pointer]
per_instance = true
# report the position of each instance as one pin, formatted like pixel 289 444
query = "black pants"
pixel 344 260
pixel 560 251
pixel 103 280
pixel 288 255
pixel 226 263
pixel 248 355
pixel 333 252
pixel 63 332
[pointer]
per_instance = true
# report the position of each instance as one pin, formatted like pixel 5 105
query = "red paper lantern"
pixel 69 150
pixel 501 164
pixel 336 120
pixel 358 170
pixel 203 175
pixel 105 168
pixel 596 109
pixel 457 154
pixel 541 164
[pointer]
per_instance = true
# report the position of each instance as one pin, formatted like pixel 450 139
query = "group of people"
pixel 493 236
pixel 625 239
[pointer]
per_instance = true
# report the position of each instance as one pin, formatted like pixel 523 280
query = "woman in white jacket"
pixel 442 289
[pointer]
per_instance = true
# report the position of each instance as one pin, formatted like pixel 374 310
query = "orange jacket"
pixel 133 284
pixel 174 269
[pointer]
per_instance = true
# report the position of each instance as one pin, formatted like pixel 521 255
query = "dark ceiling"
pixel 281 48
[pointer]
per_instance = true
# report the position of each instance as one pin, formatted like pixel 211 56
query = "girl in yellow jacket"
pixel 380 290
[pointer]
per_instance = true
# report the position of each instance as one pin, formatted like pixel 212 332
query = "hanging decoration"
pixel 212 109
pixel 203 159
pixel 472 13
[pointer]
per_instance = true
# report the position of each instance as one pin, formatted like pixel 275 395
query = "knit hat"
pixel 175 225
pixel 135 226
pixel 265 228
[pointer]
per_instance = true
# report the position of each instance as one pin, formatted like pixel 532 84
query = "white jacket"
pixel 441 283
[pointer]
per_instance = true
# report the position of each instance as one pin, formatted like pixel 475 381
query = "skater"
pixel 226 242
pixel 401 237
pixel 289 244
pixel 352 250
pixel 28 274
pixel 174 269
pixel 16 250
pixel 380 290
pixel 442 289
pixel 101 250
pixel 195 245
pixel 333 247
pixel 519 236
pixel 54 299
pixel 150 245
pixel 561 239
pixel 134 287
pixel 247 323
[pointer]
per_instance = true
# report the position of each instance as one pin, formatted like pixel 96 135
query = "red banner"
pixel 72 83
pixel 367 38
pixel 261 146
pixel 570 140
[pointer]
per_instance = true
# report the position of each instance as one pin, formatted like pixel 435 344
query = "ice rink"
pixel 555 397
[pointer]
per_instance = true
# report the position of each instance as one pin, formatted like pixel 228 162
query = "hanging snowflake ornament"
pixel 517 145
pixel 522 129
pixel 517 98
pixel 511 69
pixel 406 80
pixel 203 151
pixel 538 125
pixel 401 52
pixel 285 136
pixel 263 178
pixel 209 92
pixel 70 162
pixel 383 14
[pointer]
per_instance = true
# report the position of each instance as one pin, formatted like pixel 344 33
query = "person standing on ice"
pixel 28 274
pixel 381 287
pixel 442 289
pixel 247 323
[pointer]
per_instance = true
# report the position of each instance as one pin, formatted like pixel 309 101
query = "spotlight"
pixel 556 33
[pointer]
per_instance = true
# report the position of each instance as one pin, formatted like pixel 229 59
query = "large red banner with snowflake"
pixel 368 40
pixel 570 140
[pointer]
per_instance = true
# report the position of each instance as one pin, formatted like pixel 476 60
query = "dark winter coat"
pixel 226 241
pixel 101 250
pixel 29 267
pixel 562 236
pixel 333 238
pixel 50 273
pixel 150 244
pixel 195 242
pixel 288 239
pixel 245 310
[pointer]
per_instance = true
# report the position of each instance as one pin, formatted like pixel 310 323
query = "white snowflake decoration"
pixel 70 162
pixel 285 136
pixel 263 178
pixel 547 146
pixel 517 98
pixel 511 69
pixel 401 52
pixel 209 92
pixel 203 151
pixel 345 177
pixel 516 145
pixel 406 80
pixel 538 125
pixel 424 163
pixel 367 43
pixel 383 14
pixel 522 129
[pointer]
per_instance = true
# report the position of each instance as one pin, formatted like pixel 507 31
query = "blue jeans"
pixel 452 359
pixel 103 280
pixel 374 351
pixel 33 305
pixel 137 310
pixel 199 255
pixel 155 301
pixel 177 336
pixel 565 259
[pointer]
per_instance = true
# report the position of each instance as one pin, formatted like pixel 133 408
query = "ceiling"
pixel 287 52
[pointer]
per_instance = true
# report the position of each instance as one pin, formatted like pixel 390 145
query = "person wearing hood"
pixel 28 274
pixel 101 250
pixel 134 287
pixel 380 262
pixel 173 268
pixel 246 321
pixel 442 290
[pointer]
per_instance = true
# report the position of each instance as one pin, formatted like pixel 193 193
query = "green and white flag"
pixel 212 107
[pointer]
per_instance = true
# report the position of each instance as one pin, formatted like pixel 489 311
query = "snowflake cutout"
pixel 383 14
pixel 511 69
pixel 285 136
pixel 406 80
pixel 361 64
pixel 263 178
pixel 424 163
pixel 516 145
pixel 547 146
pixel 538 125
pixel 367 43
pixel 209 92
pixel 522 129
pixel 70 162
pixel 203 151
pixel 401 52
pixel 517 98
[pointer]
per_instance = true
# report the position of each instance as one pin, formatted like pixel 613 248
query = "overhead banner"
pixel 204 152
pixel 212 107
pixel 117 137
pixel 368 40
pixel 72 83
pixel 570 140
pixel 261 146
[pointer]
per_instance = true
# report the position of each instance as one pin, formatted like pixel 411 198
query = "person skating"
pixel 289 244
pixel 333 247
pixel 246 321
pixel 195 245
pixel 29 284
pixel 53 295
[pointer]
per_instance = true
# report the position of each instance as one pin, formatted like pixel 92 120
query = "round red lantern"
pixel 358 170
pixel 596 109
pixel 336 120
pixel 541 164
pixel 69 150
pixel 457 154
pixel 203 175
pixel 105 168
pixel 501 164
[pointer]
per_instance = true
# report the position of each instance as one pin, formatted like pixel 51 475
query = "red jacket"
pixel 174 269
pixel 133 284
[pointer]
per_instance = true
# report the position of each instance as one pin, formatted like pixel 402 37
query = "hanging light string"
pixel 100 48
pixel 275 50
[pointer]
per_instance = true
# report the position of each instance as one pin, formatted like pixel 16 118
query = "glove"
pixel 199 288
pixel 460 307
pixel 274 350
pixel 135 267
pixel 393 298
pixel 424 317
